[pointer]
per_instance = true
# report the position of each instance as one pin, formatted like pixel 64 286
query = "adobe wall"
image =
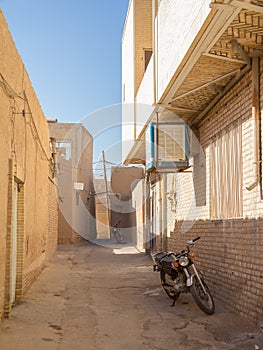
pixel 76 207
pixel 52 230
pixel 25 163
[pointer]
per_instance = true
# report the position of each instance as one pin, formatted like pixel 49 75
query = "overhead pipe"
pixel 237 48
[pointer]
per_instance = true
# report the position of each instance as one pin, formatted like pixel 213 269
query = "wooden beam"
pixel 183 109
pixel 206 84
pixel 247 4
pixel 220 95
pixel 234 60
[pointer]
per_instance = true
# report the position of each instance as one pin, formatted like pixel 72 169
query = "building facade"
pixel 28 209
pixel 204 72
pixel 74 147
pixel 127 202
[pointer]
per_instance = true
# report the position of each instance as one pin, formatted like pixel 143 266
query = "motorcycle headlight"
pixel 183 261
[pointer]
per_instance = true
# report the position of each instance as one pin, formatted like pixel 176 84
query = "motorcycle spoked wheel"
pixel 173 294
pixel 203 300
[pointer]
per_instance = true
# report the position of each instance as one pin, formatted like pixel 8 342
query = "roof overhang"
pixel 220 55
pixel 137 153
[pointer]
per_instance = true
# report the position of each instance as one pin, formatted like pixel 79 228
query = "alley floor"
pixel 94 297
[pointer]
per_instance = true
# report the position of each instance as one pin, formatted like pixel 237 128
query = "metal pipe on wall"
pixel 164 212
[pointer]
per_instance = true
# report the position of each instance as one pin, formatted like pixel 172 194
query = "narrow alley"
pixel 94 297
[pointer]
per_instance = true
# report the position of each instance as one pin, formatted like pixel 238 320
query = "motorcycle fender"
pixel 189 278
pixel 189 281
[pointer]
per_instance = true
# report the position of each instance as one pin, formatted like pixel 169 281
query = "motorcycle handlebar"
pixel 192 241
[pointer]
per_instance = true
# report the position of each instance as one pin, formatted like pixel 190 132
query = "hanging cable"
pixel 34 128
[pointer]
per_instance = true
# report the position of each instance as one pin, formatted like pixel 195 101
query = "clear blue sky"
pixel 72 52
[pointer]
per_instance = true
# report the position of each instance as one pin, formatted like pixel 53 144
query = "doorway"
pixel 14 245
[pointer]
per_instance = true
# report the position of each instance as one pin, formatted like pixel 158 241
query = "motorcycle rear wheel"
pixel 120 238
pixel 173 294
pixel 203 300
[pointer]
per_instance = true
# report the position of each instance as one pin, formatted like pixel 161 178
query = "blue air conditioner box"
pixel 167 146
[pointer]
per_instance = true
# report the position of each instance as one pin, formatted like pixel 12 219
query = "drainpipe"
pixel 160 199
pixel 256 125
pixel 147 218
pixel 164 212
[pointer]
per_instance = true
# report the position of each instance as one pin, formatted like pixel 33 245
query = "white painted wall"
pixel 145 99
pixel 177 24
pixel 128 82
pixel 128 57
pixel 138 205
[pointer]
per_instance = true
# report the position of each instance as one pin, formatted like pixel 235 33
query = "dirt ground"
pixel 94 297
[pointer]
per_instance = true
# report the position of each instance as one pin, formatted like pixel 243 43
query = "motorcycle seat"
pixel 159 256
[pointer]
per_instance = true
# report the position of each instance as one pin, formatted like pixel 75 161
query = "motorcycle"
pixel 116 232
pixel 179 275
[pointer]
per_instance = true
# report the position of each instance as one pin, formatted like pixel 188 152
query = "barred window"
pixel 226 174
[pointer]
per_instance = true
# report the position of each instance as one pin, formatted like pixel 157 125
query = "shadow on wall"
pixel 229 254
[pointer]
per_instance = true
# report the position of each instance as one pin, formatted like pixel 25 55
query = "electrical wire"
pixel 12 94
pixel 34 128
pixel 80 168
pixel 101 161
pixel 8 90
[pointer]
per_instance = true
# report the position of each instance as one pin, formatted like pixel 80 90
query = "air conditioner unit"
pixel 167 146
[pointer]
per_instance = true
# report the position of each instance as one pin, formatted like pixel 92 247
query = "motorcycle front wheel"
pixel 169 290
pixel 202 298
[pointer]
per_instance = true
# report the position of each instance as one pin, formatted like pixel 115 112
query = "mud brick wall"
pixel 25 227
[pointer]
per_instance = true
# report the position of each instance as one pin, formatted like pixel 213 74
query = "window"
pixel 64 149
pixel 147 58
pixel 226 174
